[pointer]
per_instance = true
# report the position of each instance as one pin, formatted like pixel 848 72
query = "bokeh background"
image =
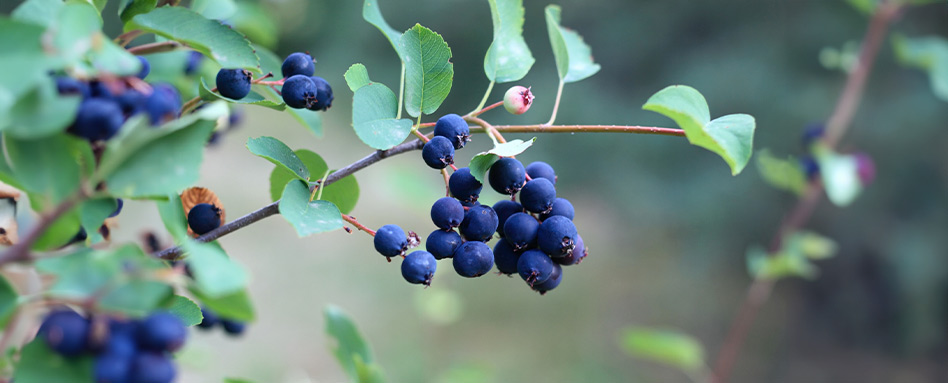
pixel 666 224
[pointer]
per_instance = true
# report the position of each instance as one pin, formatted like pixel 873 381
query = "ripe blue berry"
pixel 505 257
pixel 66 332
pixel 121 340
pixel 812 133
pixel 464 186
pixel 146 68
pixel 419 267
pixel 152 367
pixel 98 119
pixel 534 267
pixel 538 195
pixel 557 236
pixel 232 327
pixel 576 256
pixel 161 331
pixel 131 101
pixel 454 128
pixel 390 241
pixel 193 63
pixel 442 244
pixel 505 209
pixel 507 176
pixel 112 368
pixel 540 169
pixel 210 319
pixel 204 217
pixel 299 92
pixel 323 94
pixel 561 207
pixel 234 83
pixel 298 63
pixel 447 213
pixel 99 89
pixel 479 223
pixel 438 153
pixel 163 104
pixel 70 86
pixel 473 259
pixel 810 167
pixel 555 278
pixel 118 208
pixel 521 230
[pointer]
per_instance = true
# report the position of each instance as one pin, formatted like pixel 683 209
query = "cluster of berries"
pixel 812 134
pixel 125 351
pixel 301 89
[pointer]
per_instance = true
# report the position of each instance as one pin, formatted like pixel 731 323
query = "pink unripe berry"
pixel 866 168
pixel 518 99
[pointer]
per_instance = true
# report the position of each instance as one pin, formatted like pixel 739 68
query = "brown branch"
pixel 587 129
pixel 159 47
pixel 21 251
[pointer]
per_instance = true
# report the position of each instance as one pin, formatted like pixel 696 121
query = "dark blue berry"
pixel 131 102
pixel 442 244
pixel 70 86
pixel 161 331
pixel 234 83
pixel 232 327
pixel 557 236
pixel 438 153
pixel 540 169
pixel 390 241
pixel 98 119
pixel 479 223
pixel 66 332
pixel 152 367
pixel 99 89
pixel 163 104
pixel 534 267
pixel 323 94
pixel 576 256
pixel 299 92
pixel 810 167
pixel 121 341
pixel 454 128
pixel 112 368
pixel 507 176
pixel 193 63
pixel 118 208
pixel 520 230
pixel 146 68
pixel 298 63
pixel 464 186
pixel 210 319
pixel 505 257
pixel 447 213
pixel 505 209
pixel 555 278
pixel 473 259
pixel 204 217
pixel 538 195
pixel 419 267
pixel 561 207
pixel 811 133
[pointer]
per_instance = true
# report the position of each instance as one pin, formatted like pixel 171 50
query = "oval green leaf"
pixel 508 57
pixel 344 193
pixel 664 346
pixel 374 108
pixel 308 217
pixel 574 59
pixel 428 70
pixel 279 154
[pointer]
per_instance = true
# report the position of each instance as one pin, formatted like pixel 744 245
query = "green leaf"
pixel 235 306
pixel 39 364
pixel 664 346
pixel 185 309
pixel 574 61
pixel 929 54
pixel 25 61
pixel 8 300
pixel 237 380
pixel 308 217
pixel 44 166
pixel 256 21
pixel 92 214
pixel 840 174
pixel 215 9
pixel 172 215
pixel 483 161
pixel 428 70
pixel 269 62
pixel 508 58
pixel 39 12
pixel 787 263
pixel 215 274
pixel 864 6
pixel 357 76
pixel 374 108
pixel 783 174
pixel 41 113
pixel 372 14
pixel 60 232
pixel 344 193
pixel 77 25
pixel 253 98
pixel 351 350
pixel 131 8
pixel 731 136
pixel 216 41
pixel 86 273
pixel 107 56
pixel 136 297
pixel 275 151
pixel 811 245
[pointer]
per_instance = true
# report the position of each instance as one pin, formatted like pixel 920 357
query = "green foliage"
pixel 794 259
pixel 482 161
pixel 308 217
pixel 669 347
pixel 275 151
pixel 374 111
pixel 574 61
pixel 253 98
pixel 130 8
pixel 256 21
pixel 215 274
pixel 173 216
pixel 185 309
pixel 357 76
pixel 343 193
pixel 40 113
pixel 731 136
pixel 929 54
pixel 44 167
pixel 86 272
pixel 235 306
pixel 40 12
pixel 93 212
pixel 429 72
pixel 136 297
pixel 784 174
pixel 508 57
pixel 351 349
pixel 8 300
pixel 39 364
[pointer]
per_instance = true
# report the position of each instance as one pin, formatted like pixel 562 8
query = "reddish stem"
pixel 354 222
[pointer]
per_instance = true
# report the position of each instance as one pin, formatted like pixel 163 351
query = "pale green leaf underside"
pixel 483 161
pixel 508 57
pixel 279 154
pixel 429 72
pixel 308 217
pixel 929 54
pixel 574 61
pixel 374 108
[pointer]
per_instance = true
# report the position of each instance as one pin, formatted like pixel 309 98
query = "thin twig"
pixel 354 222
pixel 21 250
pixel 159 47
pixel 588 129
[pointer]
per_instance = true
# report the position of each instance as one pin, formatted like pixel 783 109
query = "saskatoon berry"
pixel 121 340
pixel 505 209
pixel 233 328
pixel 447 213
pixel 68 85
pixel 479 223
pixel 555 278
pixel 299 92
pixel 323 94
pixel 163 103
pixel 298 63
pixel 473 259
pixel 557 236
pixel 810 167
pixel 538 195
pixel 234 83
pixel 152 367
pixel 454 128
pixel 561 207
pixel 131 101
pixel 464 186
pixel 505 257
pixel 118 208
pixel 112 368
pixel 438 153
pixel 442 244
pixel 518 99
pixel 390 241
pixel 66 332
pixel 210 319
pixel 520 230
pixel 203 218
pixel 576 256
pixel 98 119
pixel 98 89
pixel 507 176
pixel 146 68
pixel 812 133
pixel 194 62
pixel 534 267
pixel 161 331
pixel 540 169
pixel 419 267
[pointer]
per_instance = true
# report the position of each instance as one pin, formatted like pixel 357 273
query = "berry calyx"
pixel 438 153
pixel 576 256
pixel 507 176
pixel 555 278
pixel 454 128
pixel 204 217
pixel 561 207
pixel 517 99
pixel 419 267
pixel 298 63
pixel 473 259
pixel 390 241
pixel 234 83
pixel 447 213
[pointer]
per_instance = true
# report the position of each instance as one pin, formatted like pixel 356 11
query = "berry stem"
pixel 447 179
pixel 489 107
pixel 354 222
pixel 123 39
pixel 556 104
pixel 420 135
pixel 264 77
pixel 319 195
pixel 192 103
pixel 490 129
pixel 159 47
pixel 480 107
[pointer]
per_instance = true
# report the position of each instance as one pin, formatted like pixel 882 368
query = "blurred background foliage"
pixel 666 225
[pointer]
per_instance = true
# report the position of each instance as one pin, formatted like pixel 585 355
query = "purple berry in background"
pixel 161 331
pixel 505 257
pixel 479 223
pixel 454 128
pixel 555 278
pixel 390 241
pixel 112 368
pixel 163 104
pixel 298 63
pixel 442 244
pixel 118 208
pixel 810 167
pixel 811 133
pixel 419 267
pixel 69 86
pixel 232 327
pixel 561 207
pixel 98 119
pixel 865 168
pixel 464 186
pixel 210 319
pixel 534 267
pixel 473 259
pixel 557 236
pixel 447 213
pixel 146 68
pixel 576 256
pixel 538 195
pixel 299 92
pixel 323 94
pixel 507 176
pixel 438 153
pixel 517 99
pixel 65 332
pixel 193 63
pixel 234 83
pixel 152 367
